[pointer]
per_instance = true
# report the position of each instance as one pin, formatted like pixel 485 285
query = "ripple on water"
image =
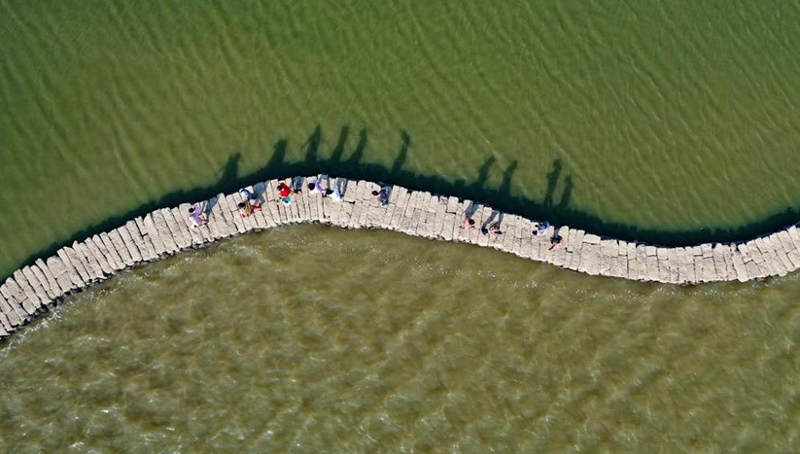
pixel 313 339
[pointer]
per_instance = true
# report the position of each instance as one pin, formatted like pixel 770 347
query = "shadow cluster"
pixel 555 206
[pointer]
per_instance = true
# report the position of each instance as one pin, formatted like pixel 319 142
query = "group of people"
pixel 540 229
pixel 250 204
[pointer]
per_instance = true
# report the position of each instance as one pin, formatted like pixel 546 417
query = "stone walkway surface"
pixel 32 289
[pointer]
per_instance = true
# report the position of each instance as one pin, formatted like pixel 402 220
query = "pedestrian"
pixel 196 217
pixel 247 209
pixel 467 223
pixel 247 195
pixel 285 193
pixel 541 228
pixel 382 195
pixel 337 193
pixel 316 188
pixel 555 242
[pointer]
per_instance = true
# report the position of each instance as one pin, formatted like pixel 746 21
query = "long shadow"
pixel 557 212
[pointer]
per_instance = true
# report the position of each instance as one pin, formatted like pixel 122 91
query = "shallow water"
pixel 311 339
pixel 661 115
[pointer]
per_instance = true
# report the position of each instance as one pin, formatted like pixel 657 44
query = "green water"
pixel 663 115
pixel 662 121
pixel 240 348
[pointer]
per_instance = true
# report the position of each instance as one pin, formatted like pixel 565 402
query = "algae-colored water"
pixel 661 121
pixel 310 339
pixel 660 115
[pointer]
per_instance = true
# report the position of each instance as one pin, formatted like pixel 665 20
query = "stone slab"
pixel 39 283
pixel 99 257
pixel 119 246
pixel 138 240
pixel 71 257
pixel 163 233
pixel 28 290
pixel 56 290
pixel 89 262
pixel 62 273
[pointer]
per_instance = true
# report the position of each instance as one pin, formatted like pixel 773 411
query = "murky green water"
pixel 662 121
pixel 311 339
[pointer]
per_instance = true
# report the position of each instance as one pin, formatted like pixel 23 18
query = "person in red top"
pixel 285 192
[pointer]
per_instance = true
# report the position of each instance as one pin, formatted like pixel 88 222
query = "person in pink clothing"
pixel 196 217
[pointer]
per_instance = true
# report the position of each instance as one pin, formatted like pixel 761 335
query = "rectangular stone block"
pixel 786 241
pixel 119 245
pixel 351 191
pixel 682 265
pixel 753 271
pixel 526 242
pixel 13 293
pixel 138 240
pixel 591 238
pixel 738 264
pixel 7 326
pixel 453 205
pixel 216 221
pixel 590 257
pixel 149 251
pixel 55 288
pixel 89 262
pixel 106 248
pixel 609 249
pixel 101 259
pixel 755 256
pixel 767 253
pixel 795 235
pixel 17 314
pixel 153 235
pixel 651 264
pixel 62 273
pixel 39 283
pixel 709 270
pixel 162 232
pixel 780 253
pixel 699 273
pixel 127 240
pixel 664 269
pixel 633 264
pixel 345 213
pixel 69 256
pixel 719 263
pixel 30 290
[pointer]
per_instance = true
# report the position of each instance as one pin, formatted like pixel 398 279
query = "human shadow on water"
pixel 555 209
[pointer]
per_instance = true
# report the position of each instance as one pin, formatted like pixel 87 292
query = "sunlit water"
pixel 663 116
pixel 310 339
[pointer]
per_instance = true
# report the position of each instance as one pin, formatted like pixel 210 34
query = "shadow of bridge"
pixel 555 206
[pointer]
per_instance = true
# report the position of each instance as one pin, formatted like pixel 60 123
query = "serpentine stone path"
pixel 32 289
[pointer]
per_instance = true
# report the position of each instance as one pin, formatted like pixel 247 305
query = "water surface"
pixel 664 116
pixel 310 339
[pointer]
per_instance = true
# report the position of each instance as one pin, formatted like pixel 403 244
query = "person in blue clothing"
pixel 541 228
pixel 382 195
